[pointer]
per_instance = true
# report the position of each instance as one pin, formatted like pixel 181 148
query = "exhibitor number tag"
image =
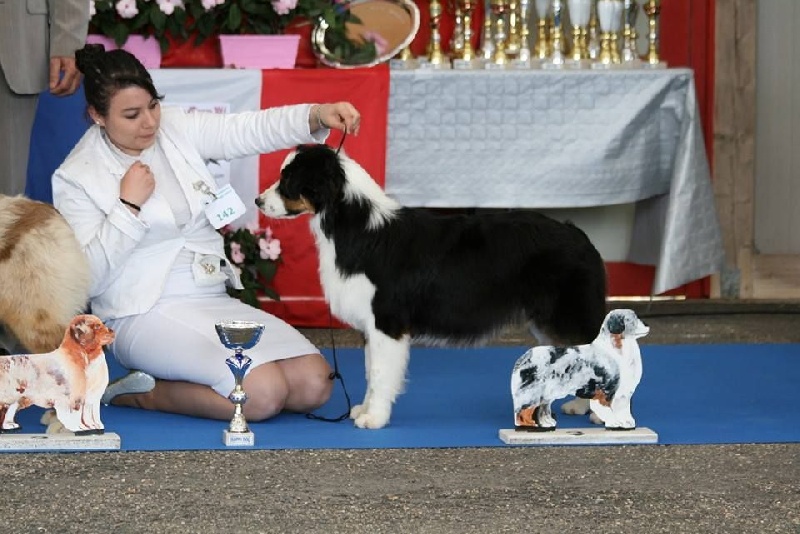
pixel 225 208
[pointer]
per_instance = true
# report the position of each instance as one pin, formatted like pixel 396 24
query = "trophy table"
pixel 239 336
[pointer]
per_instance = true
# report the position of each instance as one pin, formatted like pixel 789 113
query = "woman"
pixel 139 197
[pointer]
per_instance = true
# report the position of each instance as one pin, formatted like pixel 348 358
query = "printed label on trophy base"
pixel 495 66
pixel 427 65
pixel 579 436
pixel 659 65
pixel 549 65
pixel 403 64
pixel 467 64
pixel 238 439
pixel 520 64
pixel 578 64
pixel 605 66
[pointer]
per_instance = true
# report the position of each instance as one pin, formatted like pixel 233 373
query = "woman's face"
pixel 132 121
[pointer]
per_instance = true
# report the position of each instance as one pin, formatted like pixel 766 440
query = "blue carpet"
pixel 689 394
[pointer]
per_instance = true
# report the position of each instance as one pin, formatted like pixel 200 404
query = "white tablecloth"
pixel 563 139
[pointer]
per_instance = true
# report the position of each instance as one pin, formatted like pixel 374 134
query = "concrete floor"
pixel 644 489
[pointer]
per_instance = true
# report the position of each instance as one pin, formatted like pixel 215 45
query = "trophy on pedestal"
pixel 580 11
pixel 523 59
pixel 487 37
pixel 436 58
pixel 652 8
pixel 607 14
pixel 630 53
pixel 499 58
pixel 239 336
pixel 558 41
pixel 466 58
pixel 542 48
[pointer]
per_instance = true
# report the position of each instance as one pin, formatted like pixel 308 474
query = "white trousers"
pixel 177 339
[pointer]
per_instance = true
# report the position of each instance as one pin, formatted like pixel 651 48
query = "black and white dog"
pixel 403 275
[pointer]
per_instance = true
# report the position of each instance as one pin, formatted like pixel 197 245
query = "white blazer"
pixel 131 256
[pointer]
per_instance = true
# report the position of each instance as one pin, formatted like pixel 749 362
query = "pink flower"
pixel 283 7
pixel 127 9
pixel 269 249
pixel 168 6
pixel 237 256
pixel 380 43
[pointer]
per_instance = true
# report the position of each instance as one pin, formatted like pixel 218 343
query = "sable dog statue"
pixel 70 379
pixel 44 275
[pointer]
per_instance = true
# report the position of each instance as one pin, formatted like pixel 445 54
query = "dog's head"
pixel 90 334
pixel 621 324
pixel 312 181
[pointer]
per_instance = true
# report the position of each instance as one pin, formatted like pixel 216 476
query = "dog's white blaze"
pixel 361 184
pixel 272 203
pixel 348 296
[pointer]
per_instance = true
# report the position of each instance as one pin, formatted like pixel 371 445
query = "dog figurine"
pixel 70 379
pixel 45 276
pixel 606 371
pixel 401 275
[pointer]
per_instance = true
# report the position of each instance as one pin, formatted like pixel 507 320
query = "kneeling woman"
pixel 134 190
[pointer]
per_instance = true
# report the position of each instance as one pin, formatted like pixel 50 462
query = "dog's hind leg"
pixel 388 359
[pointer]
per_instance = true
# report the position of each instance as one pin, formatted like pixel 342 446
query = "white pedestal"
pixel 238 439
pixel 59 442
pixel 579 436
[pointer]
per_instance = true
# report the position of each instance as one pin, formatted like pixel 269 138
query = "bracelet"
pixel 319 118
pixel 130 204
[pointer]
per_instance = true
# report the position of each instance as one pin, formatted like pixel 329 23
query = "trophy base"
pixel 520 64
pixel 429 65
pixel 238 439
pixel 495 66
pixel 467 64
pixel 67 441
pixel 403 64
pixel 659 65
pixel 579 436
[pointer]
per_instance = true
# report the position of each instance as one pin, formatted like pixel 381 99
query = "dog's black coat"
pixel 457 278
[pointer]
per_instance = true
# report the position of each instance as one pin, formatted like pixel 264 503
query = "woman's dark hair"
pixel 105 73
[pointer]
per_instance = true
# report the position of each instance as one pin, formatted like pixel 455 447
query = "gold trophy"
pixel 239 336
pixel 652 8
pixel 630 53
pixel 542 48
pixel 593 37
pixel 487 35
pixel 523 59
pixel 436 57
pixel 606 11
pixel 580 12
pixel 499 58
pixel 467 57
pixel 557 58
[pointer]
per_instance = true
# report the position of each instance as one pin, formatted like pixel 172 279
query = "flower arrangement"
pixel 254 254
pixel 182 19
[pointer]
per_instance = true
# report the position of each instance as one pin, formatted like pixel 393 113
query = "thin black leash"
pixel 335 374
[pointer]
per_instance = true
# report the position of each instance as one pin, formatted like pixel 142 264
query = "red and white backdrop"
pixel 297 280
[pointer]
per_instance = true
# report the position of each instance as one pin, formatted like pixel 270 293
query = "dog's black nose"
pixel 258 201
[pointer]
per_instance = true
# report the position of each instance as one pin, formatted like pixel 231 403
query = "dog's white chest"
pixel 350 297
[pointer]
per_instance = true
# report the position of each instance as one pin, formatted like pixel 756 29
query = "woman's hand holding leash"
pixel 338 116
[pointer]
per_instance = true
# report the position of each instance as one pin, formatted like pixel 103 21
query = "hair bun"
pixel 89 55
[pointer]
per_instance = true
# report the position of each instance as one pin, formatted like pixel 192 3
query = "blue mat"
pixel 689 394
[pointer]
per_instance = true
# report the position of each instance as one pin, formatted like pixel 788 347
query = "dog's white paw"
pixel 357 410
pixel 594 418
pixel 372 420
pixel 48 417
pixel 576 406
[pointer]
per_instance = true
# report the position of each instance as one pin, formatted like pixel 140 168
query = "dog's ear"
pixel 80 331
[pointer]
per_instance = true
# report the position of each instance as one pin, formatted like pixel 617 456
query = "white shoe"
pixel 133 382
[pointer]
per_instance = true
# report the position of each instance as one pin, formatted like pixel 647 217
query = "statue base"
pixel 108 441
pixel 238 439
pixel 579 436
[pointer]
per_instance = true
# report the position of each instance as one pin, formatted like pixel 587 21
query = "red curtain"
pixel 297 281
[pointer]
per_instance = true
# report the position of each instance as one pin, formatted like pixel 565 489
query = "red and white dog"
pixel 70 379
pixel 401 275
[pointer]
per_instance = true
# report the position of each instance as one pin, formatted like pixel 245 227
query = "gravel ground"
pixel 624 489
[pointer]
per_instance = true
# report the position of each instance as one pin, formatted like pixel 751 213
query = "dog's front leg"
pixel 7 420
pixel 359 409
pixel 387 371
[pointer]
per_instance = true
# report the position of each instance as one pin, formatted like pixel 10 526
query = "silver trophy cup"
pixel 239 336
